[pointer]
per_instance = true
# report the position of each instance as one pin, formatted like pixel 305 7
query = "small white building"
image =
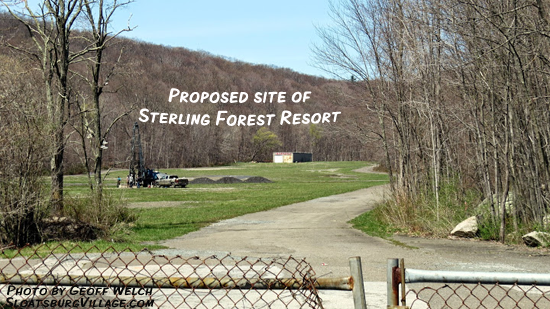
pixel 292 157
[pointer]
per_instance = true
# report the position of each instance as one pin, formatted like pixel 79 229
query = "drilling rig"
pixel 138 174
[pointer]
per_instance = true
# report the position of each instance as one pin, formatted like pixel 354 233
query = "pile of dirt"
pixel 258 179
pixel 63 228
pixel 202 180
pixel 228 179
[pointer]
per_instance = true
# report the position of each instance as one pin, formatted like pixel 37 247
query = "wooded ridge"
pixel 142 84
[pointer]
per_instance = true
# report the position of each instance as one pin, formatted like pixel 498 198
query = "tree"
pixel 462 89
pixel 22 151
pixel 264 141
pixel 99 15
pixel 368 41
pixel 50 29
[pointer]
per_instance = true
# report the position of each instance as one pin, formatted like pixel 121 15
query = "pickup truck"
pixel 172 181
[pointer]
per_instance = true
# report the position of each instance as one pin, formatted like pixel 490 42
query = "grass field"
pixel 172 212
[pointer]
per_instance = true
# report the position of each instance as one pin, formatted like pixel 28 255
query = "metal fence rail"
pixel 64 277
pixel 461 289
pixel 478 296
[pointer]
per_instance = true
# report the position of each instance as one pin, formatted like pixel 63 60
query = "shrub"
pixel 106 213
pixel 421 214
pixel 23 202
pixel 22 207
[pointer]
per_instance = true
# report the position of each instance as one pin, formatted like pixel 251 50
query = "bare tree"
pixel 22 151
pixel 50 29
pixel 457 80
pixel 99 16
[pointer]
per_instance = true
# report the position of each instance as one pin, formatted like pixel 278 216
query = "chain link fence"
pixel 421 289
pixel 477 296
pixel 62 277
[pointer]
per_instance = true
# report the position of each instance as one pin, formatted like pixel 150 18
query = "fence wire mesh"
pixel 447 296
pixel 63 277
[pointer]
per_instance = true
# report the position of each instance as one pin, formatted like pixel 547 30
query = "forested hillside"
pixel 142 76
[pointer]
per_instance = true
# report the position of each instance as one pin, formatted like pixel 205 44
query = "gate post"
pixel 392 291
pixel 358 287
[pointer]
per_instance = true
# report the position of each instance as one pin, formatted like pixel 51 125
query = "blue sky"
pixel 278 33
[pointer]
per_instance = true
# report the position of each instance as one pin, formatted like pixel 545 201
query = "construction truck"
pixel 172 181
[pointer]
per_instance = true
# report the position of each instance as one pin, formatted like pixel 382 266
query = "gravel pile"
pixel 228 179
pixel 202 180
pixel 258 179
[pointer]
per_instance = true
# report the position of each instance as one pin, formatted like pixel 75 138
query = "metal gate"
pixel 464 289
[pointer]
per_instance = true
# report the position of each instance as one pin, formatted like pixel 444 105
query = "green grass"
pixel 201 205
pixel 55 247
pixel 370 224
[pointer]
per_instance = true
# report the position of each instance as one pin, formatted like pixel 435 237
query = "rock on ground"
pixel 466 229
pixel 537 239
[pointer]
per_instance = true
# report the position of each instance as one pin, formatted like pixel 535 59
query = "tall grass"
pixel 420 215
pixel 108 214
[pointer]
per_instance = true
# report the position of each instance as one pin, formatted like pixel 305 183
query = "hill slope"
pixel 143 77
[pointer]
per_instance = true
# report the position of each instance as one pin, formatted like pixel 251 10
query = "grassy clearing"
pixel 202 205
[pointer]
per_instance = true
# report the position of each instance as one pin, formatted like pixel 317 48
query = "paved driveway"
pixel 318 230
